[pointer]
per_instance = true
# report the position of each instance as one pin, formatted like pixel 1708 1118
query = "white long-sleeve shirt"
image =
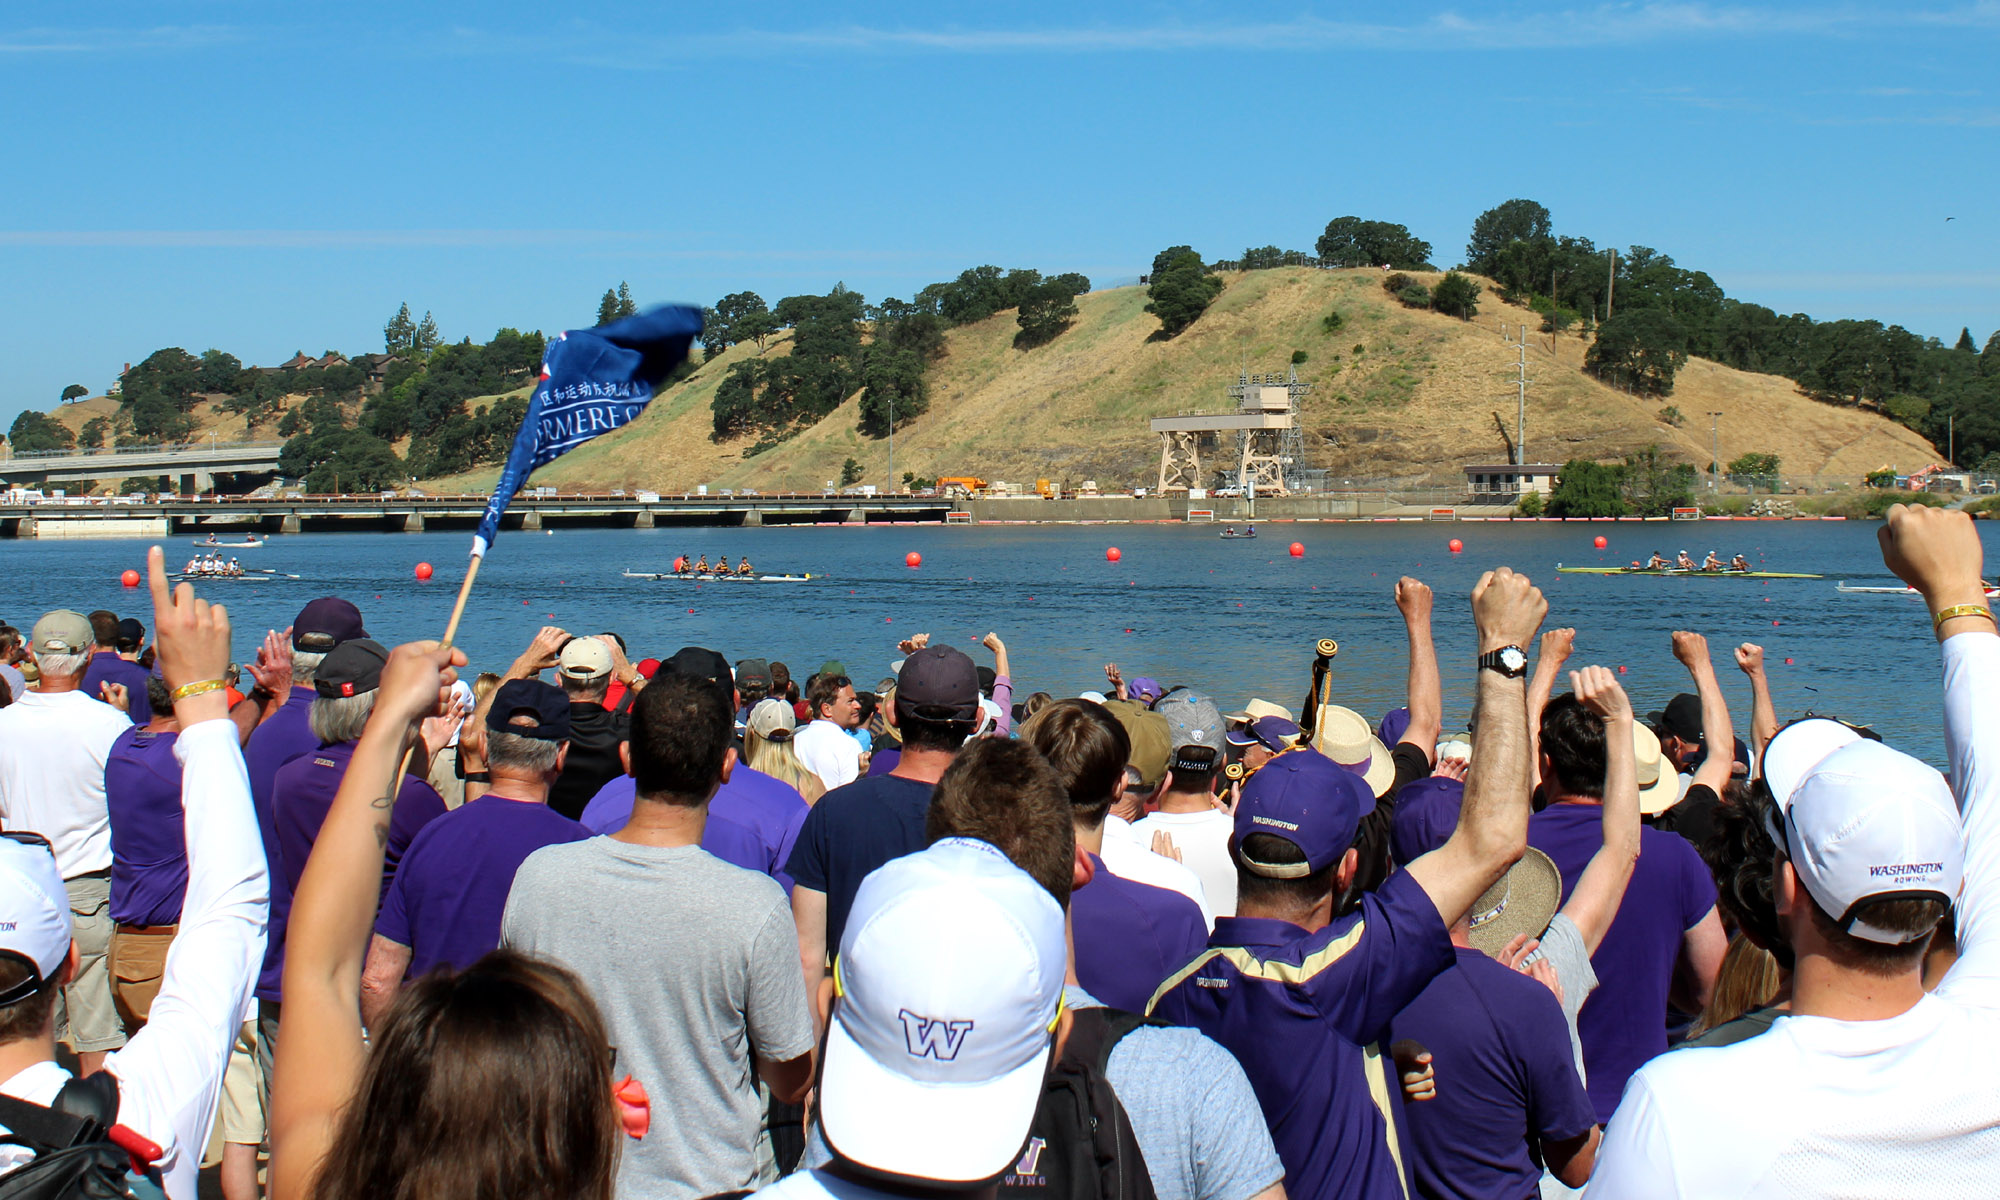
pixel 170 1073
pixel 1821 1107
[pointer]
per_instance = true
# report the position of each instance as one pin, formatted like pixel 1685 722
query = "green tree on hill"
pixel 1514 221
pixel 617 303
pixel 399 335
pixel 1456 296
pixel 1965 342
pixel 1182 289
pixel 1654 486
pixel 33 431
pixel 93 433
pixel 850 473
pixel 1048 309
pixel 1639 350
pixel 1757 468
pixel 74 391
pixel 737 317
pixel 1353 242
pixel 1587 488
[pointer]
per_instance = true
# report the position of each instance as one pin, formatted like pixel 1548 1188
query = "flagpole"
pixel 450 632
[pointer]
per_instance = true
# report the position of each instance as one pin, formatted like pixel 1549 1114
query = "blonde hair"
pixel 1748 979
pixel 780 760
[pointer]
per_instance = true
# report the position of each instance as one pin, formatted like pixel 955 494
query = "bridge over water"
pixel 193 467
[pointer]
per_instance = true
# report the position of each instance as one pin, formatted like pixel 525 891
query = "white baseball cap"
pixel 34 911
pixel 949 986
pixel 584 659
pixel 1862 822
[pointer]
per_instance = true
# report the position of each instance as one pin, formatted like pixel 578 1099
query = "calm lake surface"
pixel 1236 618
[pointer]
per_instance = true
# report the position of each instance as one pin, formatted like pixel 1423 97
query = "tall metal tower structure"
pixel 1270 443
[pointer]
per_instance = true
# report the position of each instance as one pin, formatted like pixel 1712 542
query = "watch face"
pixel 1513 658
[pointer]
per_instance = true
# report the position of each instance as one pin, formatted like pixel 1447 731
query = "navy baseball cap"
pixel 1310 801
pixel 351 669
pixel 545 702
pixel 1426 815
pixel 131 634
pixel 325 623
pixel 938 683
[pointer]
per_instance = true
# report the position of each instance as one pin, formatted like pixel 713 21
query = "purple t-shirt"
pixel 1624 1023
pixel 451 889
pixel 302 794
pixel 142 791
pixel 752 820
pixel 883 761
pixel 1130 936
pixel 1505 1079
pixel 106 667
pixel 277 741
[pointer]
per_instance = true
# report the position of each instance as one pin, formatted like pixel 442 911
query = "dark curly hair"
pixel 1739 853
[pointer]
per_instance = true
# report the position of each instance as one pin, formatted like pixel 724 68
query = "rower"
pixel 743 566
pixel 1229 531
pixel 701 565
pixel 1657 563
pixel 722 565
pixel 1711 563
pixel 1739 563
pixel 235 568
pixel 1684 562
pixel 1249 531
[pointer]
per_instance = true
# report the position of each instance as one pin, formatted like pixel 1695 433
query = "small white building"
pixel 1510 480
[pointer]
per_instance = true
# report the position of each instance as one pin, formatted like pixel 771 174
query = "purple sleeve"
pixel 393 922
pixel 785 846
pixel 611 808
pixel 1362 974
pixel 1558 1107
pixel 1003 695
pixel 1697 885
pixel 417 805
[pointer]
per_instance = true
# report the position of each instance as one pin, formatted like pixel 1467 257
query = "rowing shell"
pixel 1688 574
pixel 262 575
pixel 1991 593
pixel 713 578
pixel 208 545
pixel 1235 536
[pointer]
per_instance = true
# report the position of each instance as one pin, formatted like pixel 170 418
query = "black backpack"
pixel 74 1156
pixel 1081 1146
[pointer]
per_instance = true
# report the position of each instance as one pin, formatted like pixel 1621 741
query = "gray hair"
pixel 159 695
pixel 305 667
pixel 340 718
pixel 61 665
pixel 517 752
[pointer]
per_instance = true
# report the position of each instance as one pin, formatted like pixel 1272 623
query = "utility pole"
pixel 892 442
pixel 1610 280
pixel 1521 402
pixel 1714 457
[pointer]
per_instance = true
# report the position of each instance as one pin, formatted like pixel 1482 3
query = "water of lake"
pixel 1237 618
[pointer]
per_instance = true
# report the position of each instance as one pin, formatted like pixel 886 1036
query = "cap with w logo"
pixel 948 985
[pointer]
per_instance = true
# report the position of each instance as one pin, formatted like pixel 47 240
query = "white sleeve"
pixel 1634 1162
pixel 170 1073
pixel 1972 740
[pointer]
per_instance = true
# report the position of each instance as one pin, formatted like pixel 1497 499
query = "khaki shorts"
pixel 137 960
pixel 242 1108
pixel 86 1017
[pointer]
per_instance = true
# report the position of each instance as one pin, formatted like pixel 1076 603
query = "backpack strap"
pixel 1095 1032
pixel 93 1097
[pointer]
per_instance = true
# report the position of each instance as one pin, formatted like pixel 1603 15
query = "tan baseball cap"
pixel 62 632
pixel 584 659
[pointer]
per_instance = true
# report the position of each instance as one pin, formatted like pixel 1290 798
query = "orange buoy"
pixel 423 570
pixel 1601 541
pixel 913 559
pixel 1298 549
pixel 130 578
pixel 1113 554
pixel 1456 545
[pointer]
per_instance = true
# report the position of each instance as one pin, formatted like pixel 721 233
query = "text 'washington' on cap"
pixel 325 623
pixel 938 683
pixel 584 659
pixel 1308 800
pixel 773 720
pixel 62 632
pixel 1192 720
pixel 948 987
pixel 531 698
pixel 34 911
pixel 352 668
pixel 1863 823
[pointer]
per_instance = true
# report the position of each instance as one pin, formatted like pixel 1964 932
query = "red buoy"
pixel 423 570
pixel 130 578
pixel 1456 545
pixel 913 559
pixel 1113 554
pixel 1601 541
pixel 1298 549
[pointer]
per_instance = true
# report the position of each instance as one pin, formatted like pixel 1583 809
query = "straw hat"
pixel 1258 708
pixel 1659 783
pixel 1524 901
pixel 1344 736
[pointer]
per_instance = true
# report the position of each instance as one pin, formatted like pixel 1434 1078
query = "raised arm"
pixel 1763 715
pixel 321 1056
pixel 1493 820
pixel 1716 733
pixel 1425 694
pixel 540 655
pixel 1003 684
pixel 1593 902
pixel 272 673
pixel 1556 647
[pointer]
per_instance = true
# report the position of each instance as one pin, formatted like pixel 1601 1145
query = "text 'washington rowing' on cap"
pixel 1308 800
pixel 519 698
pixel 948 988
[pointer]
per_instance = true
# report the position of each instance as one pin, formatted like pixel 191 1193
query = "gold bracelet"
pixel 197 689
pixel 1962 610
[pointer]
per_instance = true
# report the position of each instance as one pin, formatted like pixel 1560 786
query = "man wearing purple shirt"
pixel 1129 936
pixel 109 665
pixel 142 792
pixel 445 904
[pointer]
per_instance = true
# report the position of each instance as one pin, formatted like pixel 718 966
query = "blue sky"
pixel 266 178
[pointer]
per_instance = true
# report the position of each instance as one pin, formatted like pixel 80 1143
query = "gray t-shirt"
pixel 1562 945
pixel 1193 1113
pixel 694 964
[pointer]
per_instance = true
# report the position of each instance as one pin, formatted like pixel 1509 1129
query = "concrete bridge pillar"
pixel 414 523
pixel 753 516
pixel 856 516
pixel 644 520
pixel 289 523
pixel 532 520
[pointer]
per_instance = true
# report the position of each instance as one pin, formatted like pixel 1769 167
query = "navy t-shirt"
pixel 1624 1023
pixel 1505 1079
pixel 850 832
pixel 142 792
pixel 451 888
pixel 1130 936
pixel 106 667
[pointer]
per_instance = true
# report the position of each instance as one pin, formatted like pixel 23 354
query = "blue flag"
pixel 593 381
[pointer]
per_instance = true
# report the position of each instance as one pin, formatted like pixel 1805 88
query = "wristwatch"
pixel 1510 661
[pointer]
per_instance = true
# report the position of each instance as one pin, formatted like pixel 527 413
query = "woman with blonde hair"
pixel 767 747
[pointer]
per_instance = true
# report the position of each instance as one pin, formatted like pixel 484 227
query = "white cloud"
pixel 49 41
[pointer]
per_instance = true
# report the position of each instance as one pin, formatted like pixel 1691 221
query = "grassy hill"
pixel 1398 395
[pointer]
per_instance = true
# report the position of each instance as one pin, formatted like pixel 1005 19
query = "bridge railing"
pixel 153 450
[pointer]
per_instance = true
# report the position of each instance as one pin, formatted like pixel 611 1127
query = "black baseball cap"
pixel 938 683
pixel 753 672
pixel 543 701
pixel 697 662
pixel 1681 718
pixel 325 623
pixel 130 634
pixel 350 669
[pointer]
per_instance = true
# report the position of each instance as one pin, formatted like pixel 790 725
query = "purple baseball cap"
pixel 325 623
pixel 1395 723
pixel 1307 799
pixel 1426 815
pixel 1145 689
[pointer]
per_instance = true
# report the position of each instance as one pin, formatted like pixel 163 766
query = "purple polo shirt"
pixel 1307 1014
pixel 142 791
pixel 885 760
pixel 752 821
pixel 1506 1079
pixel 449 893
pixel 277 741
pixel 106 667
pixel 302 794
pixel 1130 936
pixel 1624 1023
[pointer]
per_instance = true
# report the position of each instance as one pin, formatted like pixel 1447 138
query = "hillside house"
pixel 1510 481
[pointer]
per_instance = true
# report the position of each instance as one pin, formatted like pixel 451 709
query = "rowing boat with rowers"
pixel 209 543
pixel 712 577
pixel 262 575
pixel 1676 571
pixel 1991 592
